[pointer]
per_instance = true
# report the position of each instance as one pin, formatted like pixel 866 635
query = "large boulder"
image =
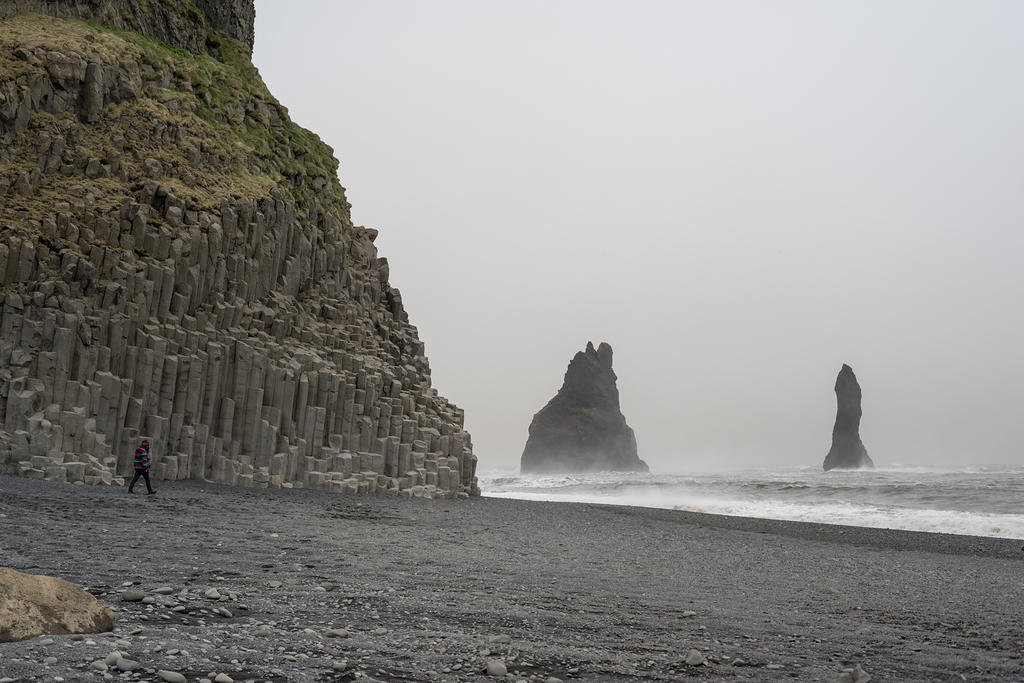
pixel 847 450
pixel 33 605
pixel 582 428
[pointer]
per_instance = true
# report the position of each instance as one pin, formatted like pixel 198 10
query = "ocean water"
pixel 979 501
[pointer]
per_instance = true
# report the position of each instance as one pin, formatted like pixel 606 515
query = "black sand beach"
pixel 420 590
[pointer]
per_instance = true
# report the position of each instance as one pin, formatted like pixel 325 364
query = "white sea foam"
pixel 979 501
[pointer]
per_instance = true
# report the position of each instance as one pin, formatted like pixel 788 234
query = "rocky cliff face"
pixel 582 428
pixel 847 450
pixel 178 262
pixel 193 25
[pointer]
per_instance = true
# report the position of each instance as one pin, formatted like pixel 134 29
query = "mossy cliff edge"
pixel 178 262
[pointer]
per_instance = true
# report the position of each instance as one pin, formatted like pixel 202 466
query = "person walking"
pixel 142 467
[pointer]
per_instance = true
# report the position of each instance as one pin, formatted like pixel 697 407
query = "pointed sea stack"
pixel 847 450
pixel 582 428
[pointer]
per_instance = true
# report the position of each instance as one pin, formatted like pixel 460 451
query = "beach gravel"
pixel 579 592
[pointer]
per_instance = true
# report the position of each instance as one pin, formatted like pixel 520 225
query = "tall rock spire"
pixel 847 450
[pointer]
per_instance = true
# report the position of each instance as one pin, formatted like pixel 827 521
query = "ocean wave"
pixel 976 501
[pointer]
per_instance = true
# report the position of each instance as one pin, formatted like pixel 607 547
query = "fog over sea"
pixel 979 501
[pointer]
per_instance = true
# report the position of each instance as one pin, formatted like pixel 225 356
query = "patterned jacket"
pixel 142 458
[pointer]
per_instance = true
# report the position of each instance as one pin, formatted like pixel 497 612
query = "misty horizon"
pixel 739 198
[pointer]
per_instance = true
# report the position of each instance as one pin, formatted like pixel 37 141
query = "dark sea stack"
pixel 847 450
pixel 582 428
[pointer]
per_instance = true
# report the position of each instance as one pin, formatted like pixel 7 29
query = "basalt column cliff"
pixel 178 262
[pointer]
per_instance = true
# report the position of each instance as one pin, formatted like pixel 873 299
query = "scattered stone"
pixel 212 594
pixel 99 665
pixel 496 667
pixel 275 584
pixel 223 678
pixel 113 658
pixel 163 590
pixel 695 658
pixel 32 605
pixel 337 633
pixel 854 675
pixel 500 639
pixel 124 664
pixel 171 676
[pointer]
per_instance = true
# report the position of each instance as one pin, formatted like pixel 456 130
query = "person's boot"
pixel 130 488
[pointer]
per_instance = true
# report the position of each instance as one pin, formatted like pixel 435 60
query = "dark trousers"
pixel 145 475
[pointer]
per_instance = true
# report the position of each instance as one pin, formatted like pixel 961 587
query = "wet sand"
pixel 420 590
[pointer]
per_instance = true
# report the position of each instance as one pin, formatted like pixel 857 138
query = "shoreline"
pixel 432 590
pixel 905 539
pixel 982 504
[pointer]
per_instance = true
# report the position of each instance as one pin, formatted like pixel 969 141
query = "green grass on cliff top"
pixel 223 100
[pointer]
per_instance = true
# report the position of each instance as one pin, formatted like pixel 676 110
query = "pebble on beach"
pixel 127 664
pixel 496 667
pixel 854 675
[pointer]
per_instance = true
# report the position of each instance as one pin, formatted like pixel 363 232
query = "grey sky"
pixel 738 196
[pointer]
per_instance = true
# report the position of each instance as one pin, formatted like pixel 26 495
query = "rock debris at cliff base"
pixel 178 262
